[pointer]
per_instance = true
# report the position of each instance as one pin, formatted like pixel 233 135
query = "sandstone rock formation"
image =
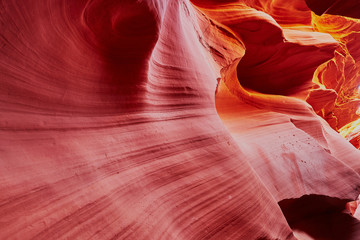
pixel 179 119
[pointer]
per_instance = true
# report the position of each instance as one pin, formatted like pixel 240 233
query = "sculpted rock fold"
pixel 109 129
pixel 170 119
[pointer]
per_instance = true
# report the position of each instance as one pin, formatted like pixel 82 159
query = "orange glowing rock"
pixel 341 74
pixel 351 132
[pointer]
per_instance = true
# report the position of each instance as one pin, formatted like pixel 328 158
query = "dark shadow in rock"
pixel 321 217
pixel 348 8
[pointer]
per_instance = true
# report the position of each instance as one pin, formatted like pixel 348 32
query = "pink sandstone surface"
pixel 179 119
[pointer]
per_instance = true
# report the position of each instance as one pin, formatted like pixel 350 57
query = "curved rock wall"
pixel 170 119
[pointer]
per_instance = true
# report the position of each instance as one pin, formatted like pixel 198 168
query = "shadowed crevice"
pixel 321 217
pixel 348 8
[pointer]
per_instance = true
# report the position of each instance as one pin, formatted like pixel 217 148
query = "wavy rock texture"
pixel 176 120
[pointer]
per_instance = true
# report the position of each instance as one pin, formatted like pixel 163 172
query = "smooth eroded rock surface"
pixel 175 119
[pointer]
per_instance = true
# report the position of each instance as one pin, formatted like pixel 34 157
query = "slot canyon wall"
pixel 179 119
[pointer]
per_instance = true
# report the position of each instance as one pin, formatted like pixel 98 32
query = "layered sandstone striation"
pixel 178 119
